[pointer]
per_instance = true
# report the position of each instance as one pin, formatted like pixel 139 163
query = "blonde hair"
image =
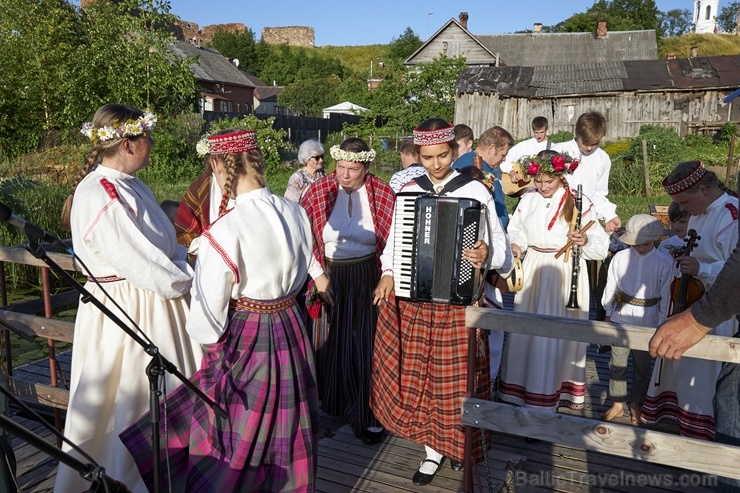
pixel 249 163
pixel 107 115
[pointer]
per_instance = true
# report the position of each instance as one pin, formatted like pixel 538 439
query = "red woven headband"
pixel 240 141
pixel 433 137
pixel 687 182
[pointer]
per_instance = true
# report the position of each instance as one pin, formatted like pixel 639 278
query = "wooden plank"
pixel 716 348
pixel 39 393
pixel 20 255
pixel 37 305
pixel 606 437
pixel 32 326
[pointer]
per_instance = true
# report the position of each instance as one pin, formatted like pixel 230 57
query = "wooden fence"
pixel 592 434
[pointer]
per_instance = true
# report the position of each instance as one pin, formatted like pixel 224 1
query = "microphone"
pixel 32 232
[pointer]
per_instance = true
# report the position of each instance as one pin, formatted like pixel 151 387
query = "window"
pixel 709 12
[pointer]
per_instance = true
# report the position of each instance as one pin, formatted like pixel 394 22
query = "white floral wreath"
pixel 353 157
pixel 129 128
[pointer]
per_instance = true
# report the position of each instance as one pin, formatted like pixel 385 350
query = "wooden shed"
pixel 684 94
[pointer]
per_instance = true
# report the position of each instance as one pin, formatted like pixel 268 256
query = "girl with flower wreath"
pixel 135 267
pixel 542 372
pixel 258 364
pixel 351 212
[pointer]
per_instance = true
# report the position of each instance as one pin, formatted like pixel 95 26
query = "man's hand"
pixel 676 335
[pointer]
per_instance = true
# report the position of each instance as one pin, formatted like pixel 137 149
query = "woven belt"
pixel 350 261
pixel 544 250
pixel 105 279
pixel 620 298
pixel 259 306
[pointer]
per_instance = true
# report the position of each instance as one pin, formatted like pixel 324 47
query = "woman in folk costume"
pixel 200 205
pixel 420 365
pixel 351 212
pixel 258 364
pixel 135 268
pixel 683 390
pixel 543 372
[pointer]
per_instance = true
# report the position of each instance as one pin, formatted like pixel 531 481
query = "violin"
pixel 687 289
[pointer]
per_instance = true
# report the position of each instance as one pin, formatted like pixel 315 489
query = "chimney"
pixel 694 52
pixel 537 29
pixel 601 30
pixel 464 20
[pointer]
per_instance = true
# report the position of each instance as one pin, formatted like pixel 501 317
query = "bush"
pixel 561 136
pixel 663 146
pixel 271 141
pixel 173 156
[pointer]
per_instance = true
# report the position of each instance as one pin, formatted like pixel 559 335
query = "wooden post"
pixel 730 159
pixel 645 167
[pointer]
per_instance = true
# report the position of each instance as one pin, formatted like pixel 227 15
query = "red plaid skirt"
pixel 420 373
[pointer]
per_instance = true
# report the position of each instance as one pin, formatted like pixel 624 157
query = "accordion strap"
pixel 460 180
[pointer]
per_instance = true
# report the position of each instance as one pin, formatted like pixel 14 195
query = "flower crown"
pixel 231 143
pixel 129 128
pixel 353 157
pixel 553 165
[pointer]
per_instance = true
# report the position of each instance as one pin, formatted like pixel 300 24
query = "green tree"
pixel 620 15
pixel 408 96
pixel 403 46
pixel 307 97
pixel 124 56
pixel 288 64
pixel 38 39
pixel 727 18
pixel 241 46
pixel 676 22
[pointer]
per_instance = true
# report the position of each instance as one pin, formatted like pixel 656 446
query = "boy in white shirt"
pixel 637 292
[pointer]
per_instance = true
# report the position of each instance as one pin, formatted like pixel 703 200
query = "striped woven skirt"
pixel 261 372
pixel 344 343
pixel 420 374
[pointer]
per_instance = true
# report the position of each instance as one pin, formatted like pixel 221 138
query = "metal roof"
pixel 210 65
pixel 542 49
pixel 594 78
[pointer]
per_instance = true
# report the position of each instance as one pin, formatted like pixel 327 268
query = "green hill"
pixel 356 58
pixel 706 44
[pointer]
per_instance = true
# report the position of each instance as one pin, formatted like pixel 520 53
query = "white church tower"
pixel 705 16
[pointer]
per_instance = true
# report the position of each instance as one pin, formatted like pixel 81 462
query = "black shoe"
pixel 370 437
pixel 421 479
pixel 455 465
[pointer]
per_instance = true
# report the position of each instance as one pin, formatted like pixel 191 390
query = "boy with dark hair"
pixel 410 167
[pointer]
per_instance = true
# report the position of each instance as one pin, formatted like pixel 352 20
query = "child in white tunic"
pixel 637 292
pixel 540 371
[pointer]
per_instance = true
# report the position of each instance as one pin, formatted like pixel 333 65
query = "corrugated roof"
pixel 545 49
pixel 594 78
pixel 267 93
pixel 211 66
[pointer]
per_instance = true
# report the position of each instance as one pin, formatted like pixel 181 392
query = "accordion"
pixel 430 233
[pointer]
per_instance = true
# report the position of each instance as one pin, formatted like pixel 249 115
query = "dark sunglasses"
pixel 318 157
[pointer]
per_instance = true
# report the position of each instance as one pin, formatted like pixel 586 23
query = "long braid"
pixel 230 165
pixel 92 158
pixel 569 205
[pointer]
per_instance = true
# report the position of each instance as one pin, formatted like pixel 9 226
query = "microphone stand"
pixel 154 370
pixel 90 472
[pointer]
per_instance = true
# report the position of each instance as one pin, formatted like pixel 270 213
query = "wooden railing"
pixel 21 318
pixel 592 434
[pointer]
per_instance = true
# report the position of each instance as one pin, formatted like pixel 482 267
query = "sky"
pixel 359 23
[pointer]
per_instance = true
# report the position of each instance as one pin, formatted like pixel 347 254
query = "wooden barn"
pixel 684 94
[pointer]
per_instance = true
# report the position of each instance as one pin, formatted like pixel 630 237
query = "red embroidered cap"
pixel 239 141
pixel 433 137
pixel 687 182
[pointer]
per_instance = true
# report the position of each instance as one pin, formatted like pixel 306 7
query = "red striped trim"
pixel 544 250
pixel 665 407
pixel 733 210
pixel 261 306
pixel 229 263
pixel 110 189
